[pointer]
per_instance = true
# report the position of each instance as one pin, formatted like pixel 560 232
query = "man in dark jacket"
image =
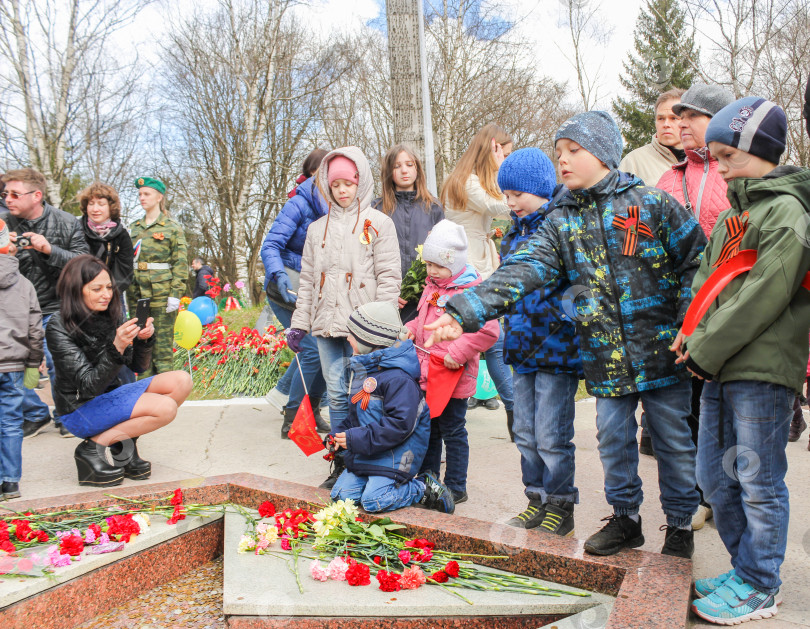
pixel 45 239
pixel 201 270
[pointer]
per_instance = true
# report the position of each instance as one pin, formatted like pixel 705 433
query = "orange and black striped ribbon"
pixel 366 225
pixel 735 230
pixel 363 397
pixel 633 227
pixel 434 299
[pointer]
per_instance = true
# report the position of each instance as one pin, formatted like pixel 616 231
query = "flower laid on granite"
pixel 389 581
pixel 412 578
pixel 317 571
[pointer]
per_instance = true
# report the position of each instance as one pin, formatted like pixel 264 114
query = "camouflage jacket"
pixel 161 242
pixel 632 301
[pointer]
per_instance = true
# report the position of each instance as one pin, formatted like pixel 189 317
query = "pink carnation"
pixel 226 288
pixel 240 284
pixel 412 578
pixel 285 542
pixel 337 569
pixel 404 556
pixel 317 571
pixel 56 559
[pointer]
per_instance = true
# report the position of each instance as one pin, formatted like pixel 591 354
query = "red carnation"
pixel 451 569
pixel 42 537
pixel 177 515
pixel 177 499
pixel 7 546
pixel 267 509
pixel 440 576
pixel 122 528
pixel 96 530
pixel 72 545
pixel 377 559
pixel 358 574
pixel 23 530
pixel 389 581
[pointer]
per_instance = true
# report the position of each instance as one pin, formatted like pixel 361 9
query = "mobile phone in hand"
pixel 142 311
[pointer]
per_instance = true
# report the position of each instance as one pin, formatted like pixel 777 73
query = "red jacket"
pixel 707 189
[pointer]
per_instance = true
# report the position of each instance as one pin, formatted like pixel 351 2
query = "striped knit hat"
pixel 376 324
pixel 753 125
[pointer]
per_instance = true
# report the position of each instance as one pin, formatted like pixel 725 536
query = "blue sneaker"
pixel 704 587
pixel 436 496
pixel 735 602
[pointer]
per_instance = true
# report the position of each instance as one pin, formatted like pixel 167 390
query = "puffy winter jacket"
pixel 390 437
pixel 64 233
pixel 465 349
pixel 539 332
pixel 114 250
pixel 21 330
pixel 87 363
pixel 636 302
pixel 756 328
pixel 705 186
pixel 412 222
pixel 284 243
pixel 351 257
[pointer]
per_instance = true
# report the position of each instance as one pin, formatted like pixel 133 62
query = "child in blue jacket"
pixel 540 342
pixel 389 421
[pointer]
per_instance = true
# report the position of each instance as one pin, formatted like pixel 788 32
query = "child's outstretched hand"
pixel 445 328
pixel 450 363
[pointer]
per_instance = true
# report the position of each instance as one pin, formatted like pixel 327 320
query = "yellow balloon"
pixel 187 329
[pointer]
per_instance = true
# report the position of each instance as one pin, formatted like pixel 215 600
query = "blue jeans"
pixel 335 353
pixel 34 409
pixel 500 373
pixel 544 430
pixel 11 423
pixel 743 474
pixel 450 427
pixel 667 410
pixel 290 383
pixel 377 493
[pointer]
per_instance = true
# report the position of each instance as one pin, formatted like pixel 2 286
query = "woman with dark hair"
pixel 308 169
pixel 89 345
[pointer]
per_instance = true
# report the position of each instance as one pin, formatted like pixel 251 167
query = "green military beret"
pixel 149 182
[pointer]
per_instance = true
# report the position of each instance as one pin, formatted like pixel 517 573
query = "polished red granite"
pixel 651 590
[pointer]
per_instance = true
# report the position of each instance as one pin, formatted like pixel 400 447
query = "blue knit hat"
pixel 753 125
pixel 597 133
pixel 528 170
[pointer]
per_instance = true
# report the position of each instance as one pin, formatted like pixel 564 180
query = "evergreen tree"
pixel 665 57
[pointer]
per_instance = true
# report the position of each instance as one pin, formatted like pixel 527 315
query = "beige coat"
pixel 649 162
pixel 476 220
pixel 339 272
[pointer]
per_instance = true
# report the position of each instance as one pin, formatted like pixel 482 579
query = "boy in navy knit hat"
pixel 751 348
pixel 630 253
pixel 540 343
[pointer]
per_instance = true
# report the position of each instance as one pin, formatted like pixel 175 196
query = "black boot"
pixel 321 425
pixel 338 465
pixel 93 468
pixel 510 421
pixel 125 455
pixel 289 417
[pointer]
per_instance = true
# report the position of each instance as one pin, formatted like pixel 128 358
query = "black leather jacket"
pixel 65 235
pixel 87 363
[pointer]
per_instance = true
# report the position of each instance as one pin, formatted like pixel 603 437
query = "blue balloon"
pixel 205 308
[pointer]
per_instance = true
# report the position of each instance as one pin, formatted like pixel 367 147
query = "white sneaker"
pixel 702 514
pixel 277 399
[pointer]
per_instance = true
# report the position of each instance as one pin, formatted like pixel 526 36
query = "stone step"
pixel 265 586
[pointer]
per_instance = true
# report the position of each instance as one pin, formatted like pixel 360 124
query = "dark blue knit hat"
pixel 597 133
pixel 753 125
pixel 528 170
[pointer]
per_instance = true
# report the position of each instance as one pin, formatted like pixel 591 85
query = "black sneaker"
pixel 559 518
pixel 678 542
pixel 436 496
pixel 11 490
pixel 337 467
pixel 64 431
pixel 491 404
pixel 32 429
pixel 530 517
pixel 473 403
pixel 459 496
pixel 621 531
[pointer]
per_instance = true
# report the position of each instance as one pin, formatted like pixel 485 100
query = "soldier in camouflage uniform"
pixel 161 268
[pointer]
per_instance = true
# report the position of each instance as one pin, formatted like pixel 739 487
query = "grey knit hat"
pixel 704 99
pixel 376 324
pixel 597 133
pixel 446 245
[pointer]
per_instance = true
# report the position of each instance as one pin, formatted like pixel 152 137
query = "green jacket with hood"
pixel 757 327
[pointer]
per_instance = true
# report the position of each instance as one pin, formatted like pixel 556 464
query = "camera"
pixel 23 241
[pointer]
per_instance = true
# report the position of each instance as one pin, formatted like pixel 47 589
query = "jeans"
pixel 450 427
pixel 334 353
pixel 34 409
pixel 500 373
pixel 741 467
pixel 544 430
pixel 377 493
pixel 667 410
pixel 11 425
pixel 290 383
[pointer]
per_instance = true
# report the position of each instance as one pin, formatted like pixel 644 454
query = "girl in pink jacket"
pixel 445 255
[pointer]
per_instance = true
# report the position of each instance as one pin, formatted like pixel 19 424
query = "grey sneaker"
pixel 531 517
pixel 436 496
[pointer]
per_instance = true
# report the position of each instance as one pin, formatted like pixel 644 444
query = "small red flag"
pixel 441 383
pixel 302 431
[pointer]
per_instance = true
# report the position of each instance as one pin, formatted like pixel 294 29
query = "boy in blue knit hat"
pixel 630 253
pixel 540 343
pixel 751 348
